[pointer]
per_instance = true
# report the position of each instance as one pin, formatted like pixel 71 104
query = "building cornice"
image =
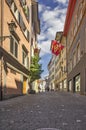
pixel 14 63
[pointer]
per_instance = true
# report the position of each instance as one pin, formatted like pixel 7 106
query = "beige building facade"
pixel 15 46
pixel 51 69
pixel 57 67
pixel 60 65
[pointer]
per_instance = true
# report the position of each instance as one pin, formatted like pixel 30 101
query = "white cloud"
pixel 51 22
pixel 45 47
pixel 42 37
pixel 61 1
pixel 43 7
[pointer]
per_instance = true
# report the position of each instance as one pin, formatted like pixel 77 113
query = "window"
pixel 71 65
pixel 25 58
pixel 22 25
pixel 11 45
pixel 16 49
pixel 26 32
pixel 28 35
pixel 18 17
pixel 78 52
pixel 14 46
pixel 77 83
pixel 65 84
pixel 84 7
pixel 16 13
pixel 79 15
pixel 23 2
pixel 75 25
pixel 9 2
pixel 70 85
pixel 15 8
pixel 74 59
pixel 28 13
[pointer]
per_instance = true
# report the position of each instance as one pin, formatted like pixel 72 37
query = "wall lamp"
pixel 12 27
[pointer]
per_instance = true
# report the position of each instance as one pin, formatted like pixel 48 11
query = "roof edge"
pixel 70 10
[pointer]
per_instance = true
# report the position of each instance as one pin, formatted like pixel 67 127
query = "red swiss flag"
pixel 56 47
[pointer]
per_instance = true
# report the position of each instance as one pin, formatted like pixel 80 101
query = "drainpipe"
pixel 1 45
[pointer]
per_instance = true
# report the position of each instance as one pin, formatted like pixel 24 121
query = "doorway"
pixel 24 85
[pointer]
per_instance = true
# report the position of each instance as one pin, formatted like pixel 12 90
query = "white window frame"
pixel 14 42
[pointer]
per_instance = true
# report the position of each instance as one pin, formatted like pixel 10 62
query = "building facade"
pixel 60 65
pixel 51 69
pixel 34 42
pixel 75 32
pixel 15 46
pixel 57 67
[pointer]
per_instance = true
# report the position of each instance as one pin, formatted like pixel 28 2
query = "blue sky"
pixel 52 15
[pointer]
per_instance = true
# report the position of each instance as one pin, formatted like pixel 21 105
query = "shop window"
pixel 70 85
pixel 60 86
pixel 77 83
pixel 65 84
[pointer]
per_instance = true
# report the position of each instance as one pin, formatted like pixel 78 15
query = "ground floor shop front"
pixel 77 77
pixel 14 76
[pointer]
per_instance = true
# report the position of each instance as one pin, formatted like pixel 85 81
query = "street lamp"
pixel 12 26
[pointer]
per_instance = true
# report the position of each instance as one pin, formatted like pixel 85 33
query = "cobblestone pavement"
pixel 57 110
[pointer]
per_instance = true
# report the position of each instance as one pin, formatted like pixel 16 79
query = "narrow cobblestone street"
pixel 60 110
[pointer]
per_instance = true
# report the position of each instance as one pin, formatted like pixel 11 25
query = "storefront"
pixel 70 86
pixel 77 83
pixel 65 85
pixel 60 85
